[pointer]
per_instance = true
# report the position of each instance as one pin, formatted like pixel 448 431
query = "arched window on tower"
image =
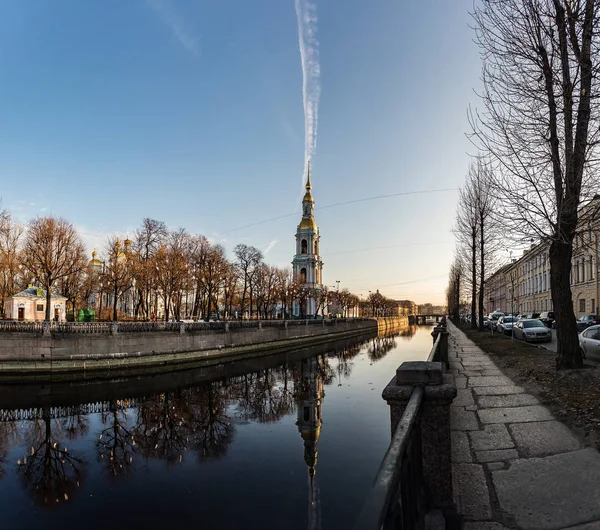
pixel 304 247
pixel 317 248
pixel 303 275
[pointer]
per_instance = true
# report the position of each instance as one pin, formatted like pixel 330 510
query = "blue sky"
pixel 191 112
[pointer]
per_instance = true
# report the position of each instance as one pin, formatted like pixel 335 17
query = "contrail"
pixel 306 13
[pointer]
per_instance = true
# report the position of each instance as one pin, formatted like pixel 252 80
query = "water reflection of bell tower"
pixel 310 400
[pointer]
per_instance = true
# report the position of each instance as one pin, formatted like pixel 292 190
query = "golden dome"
pixel 308 197
pixel 94 262
pixel 127 242
pixel 307 224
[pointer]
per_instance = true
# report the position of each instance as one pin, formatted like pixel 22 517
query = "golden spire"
pixel 94 254
pixel 308 186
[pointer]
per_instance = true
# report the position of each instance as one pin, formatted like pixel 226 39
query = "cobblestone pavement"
pixel 513 464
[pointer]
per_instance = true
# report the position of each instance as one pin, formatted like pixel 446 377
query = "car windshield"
pixel 509 319
pixel 533 324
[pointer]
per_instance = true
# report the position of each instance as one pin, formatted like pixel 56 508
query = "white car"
pixel 589 342
pixel 532 330
pixel 505 324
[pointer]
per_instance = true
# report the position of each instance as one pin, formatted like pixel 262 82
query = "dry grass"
pixel 573 396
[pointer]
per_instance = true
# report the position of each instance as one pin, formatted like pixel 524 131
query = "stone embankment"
pixel 72 349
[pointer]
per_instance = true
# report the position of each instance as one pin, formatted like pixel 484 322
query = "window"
pixel 302 275
pixel 39 307
pixel 582 305
pixel 577 272
pixel 304 246
pixel 593 305
pixel 306 414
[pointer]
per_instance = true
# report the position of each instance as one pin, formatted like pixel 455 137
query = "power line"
pixel 385 248
pixel 335 205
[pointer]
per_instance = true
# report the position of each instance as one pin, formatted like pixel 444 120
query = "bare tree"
pixel 248 259
pixel 540 69
pixel 52 250
pixel 10 272
pixel 117 275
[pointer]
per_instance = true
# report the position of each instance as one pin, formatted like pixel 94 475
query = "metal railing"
pixel 396 500
pixel 28 327
pixel 80 327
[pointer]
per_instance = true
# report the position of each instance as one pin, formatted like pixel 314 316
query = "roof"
pixel 35 293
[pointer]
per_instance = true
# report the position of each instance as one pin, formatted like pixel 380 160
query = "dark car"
pixel 531 316
pixel 586 321
pixel 547 317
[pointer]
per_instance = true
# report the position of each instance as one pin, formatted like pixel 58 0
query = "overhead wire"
pixel 337 204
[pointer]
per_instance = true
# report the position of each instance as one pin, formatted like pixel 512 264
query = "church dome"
pixel 95 262
pixel 307 224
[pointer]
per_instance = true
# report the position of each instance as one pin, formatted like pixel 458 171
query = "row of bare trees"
pixel 537 130
pixel 158 270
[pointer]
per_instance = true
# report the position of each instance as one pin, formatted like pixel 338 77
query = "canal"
pixel 289 441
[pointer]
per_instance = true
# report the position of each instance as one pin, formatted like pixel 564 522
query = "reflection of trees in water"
pixel 9 435
pixel 50 473
pixel 408 332
pixel 163 426
pixel 172 423
pixel 116 444
pixel 379 347
pixel 265 396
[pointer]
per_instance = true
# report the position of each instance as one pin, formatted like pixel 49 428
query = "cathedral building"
pixel 307 265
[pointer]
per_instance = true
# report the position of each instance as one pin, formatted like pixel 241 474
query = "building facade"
pixel 30 306
pixel 526 281
pixel 307 265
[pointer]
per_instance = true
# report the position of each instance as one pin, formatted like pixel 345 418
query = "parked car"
pixel 505 324
pixel 493 317
pixel 486 323
pixel 589 342
pixel 586 321
pixel 547 317
pixel 532 316
pixel 531 330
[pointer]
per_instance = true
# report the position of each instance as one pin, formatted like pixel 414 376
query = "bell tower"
pixel 307 265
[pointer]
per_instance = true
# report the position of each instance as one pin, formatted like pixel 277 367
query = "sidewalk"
pixel 513 464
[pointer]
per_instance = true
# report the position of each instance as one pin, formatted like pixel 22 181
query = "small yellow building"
pixel 30 305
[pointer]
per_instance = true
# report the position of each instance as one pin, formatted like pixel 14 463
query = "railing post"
pixel 181 328
pixel 226 327
pixel 46 329
pixel 114 328
pixel 439 392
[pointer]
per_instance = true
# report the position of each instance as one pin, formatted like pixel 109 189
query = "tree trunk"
pixel 474 278
pixel 481 271
pixel 48 296
pixel 115 301
pixel 568 351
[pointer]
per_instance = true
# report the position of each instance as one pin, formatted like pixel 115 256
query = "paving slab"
pixel 461 452
pixel 595 525
pixel 554 492
pixel 494 466
pixel 463 420
pixel 496 455
pixel 471 492
pixel 490 380
pixel 512 400
pixel 542 438
pixel 491 371
pixel 493 436
pixel 460 382
pixel 464 398
pixel 515 414
pixel 497 390
pixel 482 525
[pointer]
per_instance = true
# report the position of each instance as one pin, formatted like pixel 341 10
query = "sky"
pixel 191 112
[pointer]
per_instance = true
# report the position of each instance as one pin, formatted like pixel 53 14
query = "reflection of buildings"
pixel 310 401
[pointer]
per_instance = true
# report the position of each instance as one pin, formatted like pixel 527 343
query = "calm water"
pixel 289 441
